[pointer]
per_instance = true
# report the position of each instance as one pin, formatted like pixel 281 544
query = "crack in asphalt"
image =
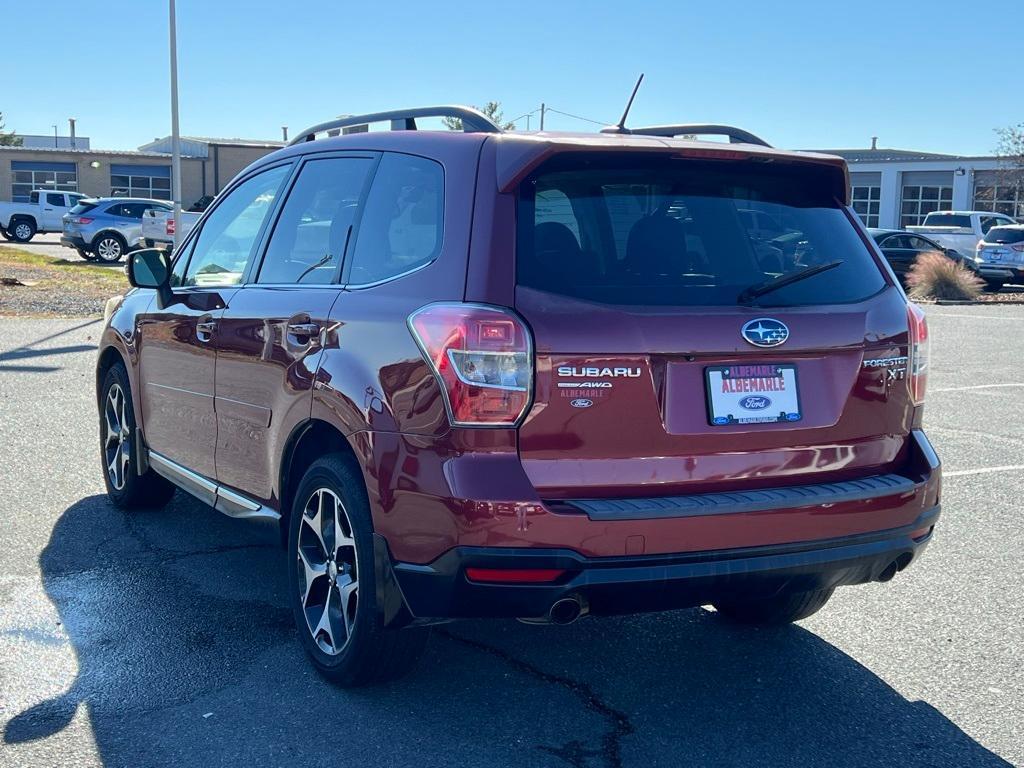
pixel 573 752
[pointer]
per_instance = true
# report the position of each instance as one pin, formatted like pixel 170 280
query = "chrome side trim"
pixel 230 503
pixel 236 505
pixel 186 479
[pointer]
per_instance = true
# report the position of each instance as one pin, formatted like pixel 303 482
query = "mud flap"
pixel 391 607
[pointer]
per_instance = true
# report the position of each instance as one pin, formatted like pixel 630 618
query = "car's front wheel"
pixel 782 608
pixel 85 254
pixel 125 486
pixel 332 581
pixel 109 248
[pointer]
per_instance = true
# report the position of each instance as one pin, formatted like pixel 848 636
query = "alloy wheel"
pixel 22 231
pixel 109 249
pixel 328 578
pixel 117 438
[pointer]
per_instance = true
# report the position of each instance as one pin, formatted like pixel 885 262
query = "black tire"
pixel 368 653
pixel 129 490
pixel 85 254
pixel 993 286
pixel 22 230
pixel 782 608
pixel 109 247
pixel 5 234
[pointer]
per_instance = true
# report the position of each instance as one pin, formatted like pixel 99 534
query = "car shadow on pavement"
pixel 186 656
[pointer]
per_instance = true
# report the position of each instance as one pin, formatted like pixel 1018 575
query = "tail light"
pixel 170 227
pixel 1019 247
pixel 483 359
pixel 81 220
pixel 919 344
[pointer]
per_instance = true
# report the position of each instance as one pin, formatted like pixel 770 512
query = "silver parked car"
pixel 106 228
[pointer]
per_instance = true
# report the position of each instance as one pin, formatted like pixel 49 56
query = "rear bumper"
pixel 800 537
pixel 993 272
pixel 618 585
pixel 73 241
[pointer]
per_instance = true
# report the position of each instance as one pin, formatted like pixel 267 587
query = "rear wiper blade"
pixel 760 289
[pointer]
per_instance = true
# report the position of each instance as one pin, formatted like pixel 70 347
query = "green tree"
pixel 492 109
pixel 8 139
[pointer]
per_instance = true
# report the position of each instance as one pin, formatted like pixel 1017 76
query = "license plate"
pixel 758 393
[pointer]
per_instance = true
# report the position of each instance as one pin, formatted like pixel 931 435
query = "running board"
pixel 229 502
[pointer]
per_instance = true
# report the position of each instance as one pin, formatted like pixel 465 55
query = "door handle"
pixel 205 329
pixel 304 329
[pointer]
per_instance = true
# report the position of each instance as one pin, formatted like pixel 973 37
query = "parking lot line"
pixel 982 470
pixel 977 317
pixel 978 386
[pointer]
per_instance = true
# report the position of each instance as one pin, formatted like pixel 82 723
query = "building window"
pixel 27 176
pixel 1006 199
pixel 918 202
pixel 149 181
pixel 866 203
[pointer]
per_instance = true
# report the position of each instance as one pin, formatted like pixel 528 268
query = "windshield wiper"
pixel 760 289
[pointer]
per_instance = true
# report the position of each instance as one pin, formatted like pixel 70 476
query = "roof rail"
pixel 473 121
pixel 735 135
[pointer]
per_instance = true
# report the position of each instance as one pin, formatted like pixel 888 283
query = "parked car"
pixel 457 401
pixel 901 249
pixel 158 226
pixel 106 228
pixel 21 222
pixel 959 230
pixel 1001 255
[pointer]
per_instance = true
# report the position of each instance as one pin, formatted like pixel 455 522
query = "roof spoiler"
pixel 473 121
pixel 735 135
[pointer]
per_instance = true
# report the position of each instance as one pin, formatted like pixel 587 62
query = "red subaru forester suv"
pixel 531 375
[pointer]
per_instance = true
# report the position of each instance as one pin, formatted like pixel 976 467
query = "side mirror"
pixel 151 268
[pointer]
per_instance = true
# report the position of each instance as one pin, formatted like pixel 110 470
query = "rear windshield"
pixel 1005 235
pixel 947 220
pixel 671 232
pixel 82 207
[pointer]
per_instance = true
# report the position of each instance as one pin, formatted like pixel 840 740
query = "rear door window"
pixel 57 200
pixel 947 220
pixel 310 238
pixel 402 221
pixel 669 232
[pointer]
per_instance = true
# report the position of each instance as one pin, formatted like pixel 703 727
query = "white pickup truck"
pixel 42 213
pixel 960 230
pixel 158 226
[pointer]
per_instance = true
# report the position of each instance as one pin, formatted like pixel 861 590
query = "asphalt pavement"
pixel 163 637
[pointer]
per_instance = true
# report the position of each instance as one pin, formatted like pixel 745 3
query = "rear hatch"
pixel 674 354
pixel 1003 246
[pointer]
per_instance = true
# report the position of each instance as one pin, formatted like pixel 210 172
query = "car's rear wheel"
pixel 332 581
pixel 118 435
pixel 6 235
pixel 22 230
pixel 994 286
pixel 109 248
pixel 85 254
pixel 782 608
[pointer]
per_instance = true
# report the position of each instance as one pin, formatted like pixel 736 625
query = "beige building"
pixel 207 166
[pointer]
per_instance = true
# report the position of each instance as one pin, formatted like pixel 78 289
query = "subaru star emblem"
pixel 765 332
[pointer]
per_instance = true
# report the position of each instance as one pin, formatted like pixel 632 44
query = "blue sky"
pixel 801 74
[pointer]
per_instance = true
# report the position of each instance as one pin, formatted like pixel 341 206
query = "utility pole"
pixel 175 138
pixel 542 115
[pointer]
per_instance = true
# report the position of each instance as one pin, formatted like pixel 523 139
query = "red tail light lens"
pixel 1019 247
pixel 170 227
pixel 483 359
pixel 82 220
pixel 919 353
pixel 514 576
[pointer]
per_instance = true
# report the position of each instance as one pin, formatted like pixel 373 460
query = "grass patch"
pixel 50 268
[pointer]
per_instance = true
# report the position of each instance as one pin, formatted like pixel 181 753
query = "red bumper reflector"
pixel 513 576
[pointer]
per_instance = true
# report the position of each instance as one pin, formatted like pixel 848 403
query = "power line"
pixel 578 117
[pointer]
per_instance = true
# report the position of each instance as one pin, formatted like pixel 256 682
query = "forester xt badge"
pixel 895 367
pixel 587 377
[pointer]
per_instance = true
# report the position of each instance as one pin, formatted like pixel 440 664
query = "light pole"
pixel 175 138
